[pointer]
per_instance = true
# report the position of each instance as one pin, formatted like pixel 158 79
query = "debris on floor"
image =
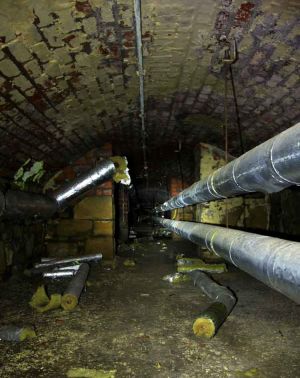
pixel 210 320
pixel 42 303
pixel 129 263
pixel 13 333
pixel 90 373
pixel 71 296
pixel 177 277
pixel 188 265
pixel 60 264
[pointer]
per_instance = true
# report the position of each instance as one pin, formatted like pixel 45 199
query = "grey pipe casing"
pixel 77 283
pixel 274 261
pixel 268 168
pixel 103 172
pixel 16 204
pixel 20 205
pixel 215 292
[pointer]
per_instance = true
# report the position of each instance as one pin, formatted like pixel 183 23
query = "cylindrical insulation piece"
pixel 209 321
pixel 72 294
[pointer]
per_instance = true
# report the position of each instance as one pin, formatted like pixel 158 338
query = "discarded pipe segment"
pixel 72 294
pixel 59 274
pixel 13 333
pixel 76 259
pixel 270 167
pixel 210 320
pixel 18 204
pixel 275 262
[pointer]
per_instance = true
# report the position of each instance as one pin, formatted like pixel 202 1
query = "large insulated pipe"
pixel 103 172
pixel 18 204
pixel 268 168
pixel 273 261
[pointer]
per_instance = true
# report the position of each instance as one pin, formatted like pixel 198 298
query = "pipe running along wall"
pixel 268 168
pixel 18 204
pixel 273 261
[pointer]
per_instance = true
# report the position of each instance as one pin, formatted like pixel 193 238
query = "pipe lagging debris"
pixel 15 333
pixel 274 261
pixel 210 320
pixel 72 294
pixel 268 168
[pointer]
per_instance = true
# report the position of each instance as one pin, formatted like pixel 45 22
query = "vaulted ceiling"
pixel 69 82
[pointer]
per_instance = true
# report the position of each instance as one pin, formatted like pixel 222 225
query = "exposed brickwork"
pixel 68 78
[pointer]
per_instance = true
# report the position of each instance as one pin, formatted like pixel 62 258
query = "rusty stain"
pixel 68 38
pixel 129 39
pixel 84 7
pixel 37 100
pixel 244 12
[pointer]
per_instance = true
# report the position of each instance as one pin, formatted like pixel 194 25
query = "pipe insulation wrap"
pixel 72 294
pixel 268 168
pixel 104 171
pixel 22 205
pixel 215 292
pixel 274 261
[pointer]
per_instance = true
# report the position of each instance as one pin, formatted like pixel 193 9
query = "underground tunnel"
pixel 149 188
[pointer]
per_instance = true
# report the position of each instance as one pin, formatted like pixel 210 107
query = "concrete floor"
pixel 132 321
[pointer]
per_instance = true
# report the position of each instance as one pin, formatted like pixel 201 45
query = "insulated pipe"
pixel 273 261
pixel 268 168
pixel 214 316
pixel 18 204
pixel 71 296
pixel 104 171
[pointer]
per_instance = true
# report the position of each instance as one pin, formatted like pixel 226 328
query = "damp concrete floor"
pixel 131 321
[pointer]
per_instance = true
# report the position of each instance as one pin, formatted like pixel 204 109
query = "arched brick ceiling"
pixel 68 74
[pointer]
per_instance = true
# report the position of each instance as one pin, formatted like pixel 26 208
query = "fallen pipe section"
pixel 273 261
pixel 18 204
pixel 213 317
pixel 267 168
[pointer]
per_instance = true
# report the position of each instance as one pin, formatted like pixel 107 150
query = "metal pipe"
pixel 104 171
pixel 139 49
pixel 273 261
pixel 268 168
pixel 59 274
pixel 56 262
pixel 20 205
pixel 71 296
